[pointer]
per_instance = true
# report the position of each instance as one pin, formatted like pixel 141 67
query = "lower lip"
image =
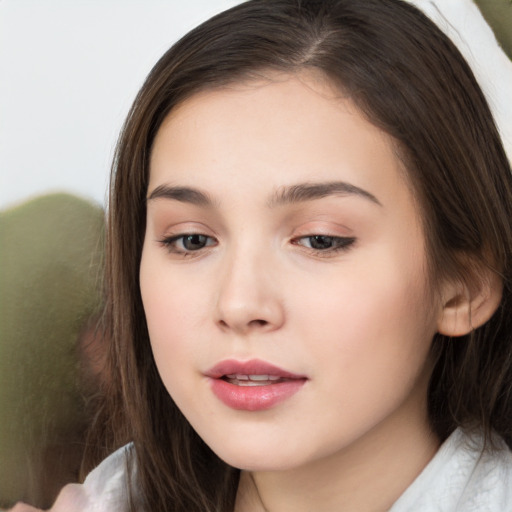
pixel 255 398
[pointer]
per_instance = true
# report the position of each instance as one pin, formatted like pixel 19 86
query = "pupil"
pixel 194 242
pixel 321 242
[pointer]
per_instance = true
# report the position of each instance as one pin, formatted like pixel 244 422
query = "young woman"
pixel 308 273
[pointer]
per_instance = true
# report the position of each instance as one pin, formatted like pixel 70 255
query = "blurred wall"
pixel 69 71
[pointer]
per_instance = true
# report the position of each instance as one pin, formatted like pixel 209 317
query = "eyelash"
pixel 170 243
pixel 339 244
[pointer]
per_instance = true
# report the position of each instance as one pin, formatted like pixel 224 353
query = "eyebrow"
pixel 285 195
pixel 310 191
pixel 182 194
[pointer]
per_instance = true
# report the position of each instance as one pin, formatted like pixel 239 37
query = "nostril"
pixel 243 326
pixel 258 323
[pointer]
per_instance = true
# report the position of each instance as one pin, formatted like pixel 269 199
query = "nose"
pixel 250 296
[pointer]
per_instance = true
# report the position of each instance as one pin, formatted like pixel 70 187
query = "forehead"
pixel 273 132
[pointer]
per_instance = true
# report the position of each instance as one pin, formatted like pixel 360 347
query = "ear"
pixel 467 306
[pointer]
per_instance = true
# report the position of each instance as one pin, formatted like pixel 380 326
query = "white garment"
pixel 460 478
pixel 105 489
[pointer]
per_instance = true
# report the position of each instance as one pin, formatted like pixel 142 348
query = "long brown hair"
pixel 407 77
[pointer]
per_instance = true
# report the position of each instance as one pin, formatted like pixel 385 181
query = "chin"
pixel 258 457
pixel 259 462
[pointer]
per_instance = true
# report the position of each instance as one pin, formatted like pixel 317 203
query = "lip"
pixel 253 398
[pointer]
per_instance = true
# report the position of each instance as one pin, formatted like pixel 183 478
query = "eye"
pixel 325 243
pixel 188 242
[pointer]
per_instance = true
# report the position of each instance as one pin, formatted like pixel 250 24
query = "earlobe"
pixel 465 308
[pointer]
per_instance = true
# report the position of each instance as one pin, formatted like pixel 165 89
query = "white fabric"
pixel 460 478
pixel 462 21
pixel 104 489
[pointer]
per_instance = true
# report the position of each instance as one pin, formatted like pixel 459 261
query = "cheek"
pixel 173 316
pixel 369 351
pixel 373 325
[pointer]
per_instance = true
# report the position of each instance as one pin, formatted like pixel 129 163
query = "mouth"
pixel 253 385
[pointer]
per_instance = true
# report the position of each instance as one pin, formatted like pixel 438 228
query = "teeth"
pixel 256 378
pixel 251 383
pixel 252 380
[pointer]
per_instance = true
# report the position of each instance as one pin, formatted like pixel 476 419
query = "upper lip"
pixel 251 367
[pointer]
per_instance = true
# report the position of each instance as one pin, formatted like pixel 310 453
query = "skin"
pixel 357 322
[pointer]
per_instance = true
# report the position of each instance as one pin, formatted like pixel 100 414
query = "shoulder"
pixel 462 477
pixel 104 490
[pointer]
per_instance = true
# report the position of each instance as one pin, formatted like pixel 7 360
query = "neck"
pixel 368 476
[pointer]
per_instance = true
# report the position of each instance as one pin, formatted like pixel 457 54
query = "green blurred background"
pixel 498 14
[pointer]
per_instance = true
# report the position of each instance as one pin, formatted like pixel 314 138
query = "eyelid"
pixel 323 226
pixel 167 230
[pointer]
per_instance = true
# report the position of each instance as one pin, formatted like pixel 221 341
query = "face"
pixel 283 274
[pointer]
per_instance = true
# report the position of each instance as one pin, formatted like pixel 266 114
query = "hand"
pixel 23 507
